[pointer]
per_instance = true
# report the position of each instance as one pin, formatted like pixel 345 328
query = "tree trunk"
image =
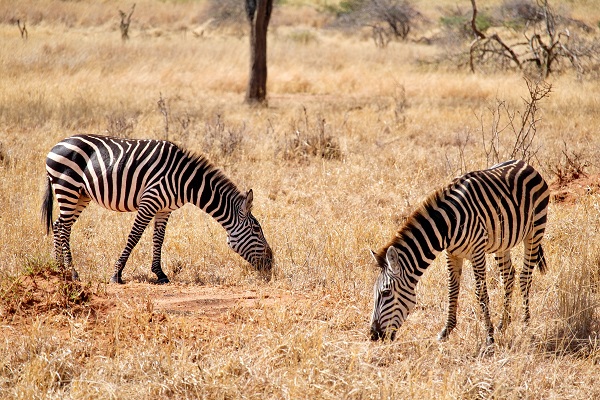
pixel 259 14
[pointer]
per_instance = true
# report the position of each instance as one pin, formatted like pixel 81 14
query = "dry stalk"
pixel 522 125
pixel 125 22
pixel 164 110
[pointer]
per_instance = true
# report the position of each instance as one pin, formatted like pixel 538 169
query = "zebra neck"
pixel 421 239
pixel 416 255
pixel 215 194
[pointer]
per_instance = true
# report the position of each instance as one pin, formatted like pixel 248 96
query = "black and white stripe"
pixel 488 211
pixel 153 177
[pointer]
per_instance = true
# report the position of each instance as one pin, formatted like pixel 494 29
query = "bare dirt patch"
pixel 568 192
pixel 42 291
pixel 49 294
pixel 208 303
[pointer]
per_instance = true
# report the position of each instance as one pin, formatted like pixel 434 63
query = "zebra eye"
pixel 386 292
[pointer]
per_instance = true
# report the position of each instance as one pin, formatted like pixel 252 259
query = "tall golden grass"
pixel 400 126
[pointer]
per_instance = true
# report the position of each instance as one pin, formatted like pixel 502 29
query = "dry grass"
pixel 398 128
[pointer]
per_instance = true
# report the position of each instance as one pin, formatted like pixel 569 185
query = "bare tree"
pixel 484 46
pixel 545 48
pixel 397 16
pixel 125 21
pixel 23 30
pixel 258 13
pixel 550 45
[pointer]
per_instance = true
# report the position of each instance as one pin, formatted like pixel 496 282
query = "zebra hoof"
pixel 162 281
pixel 116 279
pixel 443 335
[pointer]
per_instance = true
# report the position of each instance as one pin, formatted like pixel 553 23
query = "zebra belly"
pixel 115 199
pixel 505 236
pixel 487 240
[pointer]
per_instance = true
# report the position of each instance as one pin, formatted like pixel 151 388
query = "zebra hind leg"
pixel 57 251
pixel 65 248
pixel 507 276
pixel 533 255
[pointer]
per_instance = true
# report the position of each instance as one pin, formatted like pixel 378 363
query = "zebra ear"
pixel 393 260
pixel 373 255
pixel 380 262
pixel 247 205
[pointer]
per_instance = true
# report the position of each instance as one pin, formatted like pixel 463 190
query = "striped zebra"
pixel 153 177
pixel 488 211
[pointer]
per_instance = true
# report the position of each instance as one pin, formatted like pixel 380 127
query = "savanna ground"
pixel 352 140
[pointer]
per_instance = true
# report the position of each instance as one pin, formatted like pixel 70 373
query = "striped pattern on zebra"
pixel 153 177
pixel 488 211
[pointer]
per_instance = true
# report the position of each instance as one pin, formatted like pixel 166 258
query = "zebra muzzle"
pixel 379 334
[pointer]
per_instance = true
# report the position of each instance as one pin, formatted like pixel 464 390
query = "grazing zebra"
pixel 487 211
pixel 153 177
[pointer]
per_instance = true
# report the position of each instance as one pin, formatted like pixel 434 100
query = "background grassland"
pixel 353 139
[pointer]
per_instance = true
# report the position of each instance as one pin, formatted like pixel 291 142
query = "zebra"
pixel 154 177
pixel 487 211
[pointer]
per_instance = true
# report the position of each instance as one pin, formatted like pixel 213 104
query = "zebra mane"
pixel 201 161
pixel 412 221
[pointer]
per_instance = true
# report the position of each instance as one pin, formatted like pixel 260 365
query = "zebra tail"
pixel 541 261
pixel 47 205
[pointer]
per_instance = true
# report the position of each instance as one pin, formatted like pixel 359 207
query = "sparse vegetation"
pixel 388 19
pixel 352 139
pixel 223 142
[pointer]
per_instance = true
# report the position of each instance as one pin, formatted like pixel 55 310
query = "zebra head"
pixel 394 295
pixel 247 239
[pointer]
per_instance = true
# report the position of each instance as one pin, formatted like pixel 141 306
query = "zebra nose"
pixel 269 253
pixel 267 260
pixel 376 333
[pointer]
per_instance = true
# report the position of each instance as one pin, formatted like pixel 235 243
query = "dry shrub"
pixel 120 125
pixel 221 141
pixel 311 140
pixel 569 168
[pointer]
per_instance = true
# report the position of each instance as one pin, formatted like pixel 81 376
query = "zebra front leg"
pixel 160 224
pixel 142 219
pixel 454 266
pixel 481 292
pixel 507 276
